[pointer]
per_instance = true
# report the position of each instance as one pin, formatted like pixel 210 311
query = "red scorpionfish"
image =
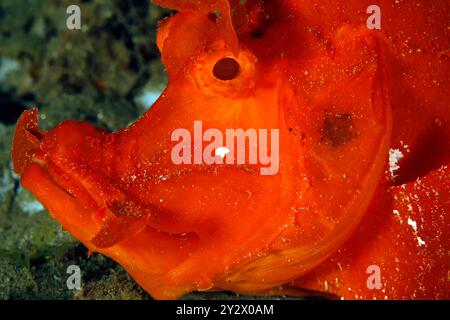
pixel 361 182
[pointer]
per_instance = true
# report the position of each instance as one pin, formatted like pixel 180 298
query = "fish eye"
pixel 226 69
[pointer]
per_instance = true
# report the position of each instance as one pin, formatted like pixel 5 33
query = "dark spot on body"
pixel 212 17
pixel 337 129
pixel 257 33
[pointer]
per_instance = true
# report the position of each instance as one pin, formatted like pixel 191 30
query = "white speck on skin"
pixel 222 152
pixel 413 224
pixel 420 241
pixel 394 156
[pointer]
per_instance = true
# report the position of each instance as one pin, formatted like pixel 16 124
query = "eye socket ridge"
pixel 219 72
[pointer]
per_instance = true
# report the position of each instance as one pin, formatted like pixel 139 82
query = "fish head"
pixel 169 192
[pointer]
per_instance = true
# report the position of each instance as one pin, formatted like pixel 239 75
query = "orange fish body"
pixel 328 98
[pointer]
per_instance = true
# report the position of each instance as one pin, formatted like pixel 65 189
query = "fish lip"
pixel 28 148
pixel 59 202
pixel 101 214
pixel 26 141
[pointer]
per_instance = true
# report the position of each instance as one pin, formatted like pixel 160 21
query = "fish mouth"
pixel 35 176
pixel 102 215
pixel 107 220
pixel 115 214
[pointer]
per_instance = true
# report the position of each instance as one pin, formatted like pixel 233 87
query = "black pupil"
pixel 226 69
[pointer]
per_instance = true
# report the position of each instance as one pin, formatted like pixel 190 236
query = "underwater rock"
pixel 54 62
pixel 16 281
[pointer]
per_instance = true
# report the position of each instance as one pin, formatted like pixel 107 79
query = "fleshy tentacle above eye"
pixel 221 9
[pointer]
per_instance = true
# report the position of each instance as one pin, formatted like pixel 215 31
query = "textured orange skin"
pixel 387 239
pixel 183 228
